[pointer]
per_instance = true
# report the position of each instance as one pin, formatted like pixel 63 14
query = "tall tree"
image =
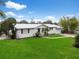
pixel 63 23
pixel 39 22
pixel 69 24
pixel 32 22
pixel 73 23
pixel 24 22
pixel 2 3
pixel 2 17
pixel 7 24
pixel 2 14
pixel 47 22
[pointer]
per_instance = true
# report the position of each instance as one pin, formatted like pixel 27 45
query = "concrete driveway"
pixel 68 35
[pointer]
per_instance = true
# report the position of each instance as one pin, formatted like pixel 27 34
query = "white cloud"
pixel 20 16
pixel 14 5
pixel 18 19
pixel 36 20
pixel 52 18
pixel 78 14
pixel 67 16
pixel 70 16
pixel 12 14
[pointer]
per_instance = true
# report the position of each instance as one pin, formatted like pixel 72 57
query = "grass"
pixel 38 48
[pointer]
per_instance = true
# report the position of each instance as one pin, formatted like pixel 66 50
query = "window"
pixel 28 30
pixel 43 29
pixel 57 28
pixel 21 31
pixel 51 28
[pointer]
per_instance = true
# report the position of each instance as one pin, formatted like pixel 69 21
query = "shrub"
pixel 13 34
pixel 46 33
pixel 37 34
pixel 1 33
pixel 77 41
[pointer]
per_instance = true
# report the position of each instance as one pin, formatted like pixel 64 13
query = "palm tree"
pixel 2 14
pixel 8 27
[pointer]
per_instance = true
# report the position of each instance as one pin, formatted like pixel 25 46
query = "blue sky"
pixel 41 9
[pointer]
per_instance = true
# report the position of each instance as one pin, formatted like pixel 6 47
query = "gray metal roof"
pixel 23 26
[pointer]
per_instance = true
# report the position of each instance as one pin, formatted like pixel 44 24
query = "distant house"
pixel 29 30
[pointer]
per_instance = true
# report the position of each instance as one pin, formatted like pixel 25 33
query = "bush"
pixel 77 41
pixel 13 34
pixel 45 33
pixel 1 32
pixel 37 34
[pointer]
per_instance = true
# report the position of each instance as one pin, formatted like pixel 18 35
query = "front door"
pixel 39 30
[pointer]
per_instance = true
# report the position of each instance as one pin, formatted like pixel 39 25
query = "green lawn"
pixel 38 48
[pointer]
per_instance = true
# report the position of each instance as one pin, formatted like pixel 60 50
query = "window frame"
pixel 28 30
pixel 21 31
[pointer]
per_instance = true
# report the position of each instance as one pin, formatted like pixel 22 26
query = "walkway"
pixel 64 36
pixel 68 35
pixel 53 37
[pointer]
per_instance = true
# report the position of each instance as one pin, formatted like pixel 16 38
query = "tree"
pixel 8 25
pixel 2 17
pixel 12 32
pixel 39 22
pixel 76 41
pixel 73 23
pixel 2 14
pixel 24 22
pixel 48 22
pixel 2 2
pixel 64 23
pixel 69 24
pixel 55 23
pixel 32 22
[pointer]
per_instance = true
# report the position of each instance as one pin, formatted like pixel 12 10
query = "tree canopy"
pixel 47 22
pixel 2 14
pixel 23 21
pixel 7 24
pixel 69 24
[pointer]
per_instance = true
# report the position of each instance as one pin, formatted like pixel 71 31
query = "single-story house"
pixel 29 30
